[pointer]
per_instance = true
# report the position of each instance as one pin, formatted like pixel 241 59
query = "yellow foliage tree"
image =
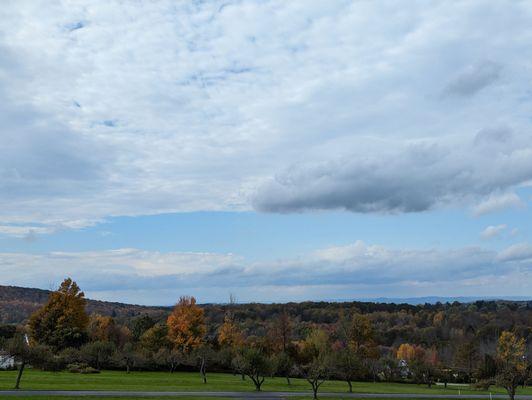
pixel 361 333
pixel 186 324
pixel 406 352
pixel 229 334
pixel 512 368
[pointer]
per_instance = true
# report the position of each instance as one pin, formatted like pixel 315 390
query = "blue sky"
pixel 274 150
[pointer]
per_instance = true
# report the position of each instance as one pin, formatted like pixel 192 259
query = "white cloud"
pixel 140 108
pixel 352 271
pixel 492 231
pixel 517 252
pixel 498 202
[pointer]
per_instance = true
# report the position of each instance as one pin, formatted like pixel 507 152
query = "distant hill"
pixel 18 303
pixel 439 299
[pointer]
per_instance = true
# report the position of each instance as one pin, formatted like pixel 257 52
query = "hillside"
pixel 17 303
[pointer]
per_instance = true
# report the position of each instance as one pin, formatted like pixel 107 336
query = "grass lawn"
pixel 189 381
pixel 114 398
pixel 162 398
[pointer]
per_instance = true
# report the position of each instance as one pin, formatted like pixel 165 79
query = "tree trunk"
pixel 511 392
pixel 257 381
pixel 19 375
pixel 127 368
pixel 202 370
pixel 288 380
pixel 315 392
pixel 350 386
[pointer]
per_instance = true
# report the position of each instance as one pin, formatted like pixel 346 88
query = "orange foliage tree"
pixel 186 324
pixel 62 321
pixel 105 329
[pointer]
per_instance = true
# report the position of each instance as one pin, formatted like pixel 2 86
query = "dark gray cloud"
pixel 414 178
pixel 474 78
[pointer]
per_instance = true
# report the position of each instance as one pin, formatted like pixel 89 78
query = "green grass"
pixel 114 398
pixel 162 398
pixel 189 381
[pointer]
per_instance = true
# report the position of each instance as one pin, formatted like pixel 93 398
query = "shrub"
pixel 89 370
pixel 483 384
pixel 82 368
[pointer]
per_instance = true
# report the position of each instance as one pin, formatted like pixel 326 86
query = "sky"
pixel 273 150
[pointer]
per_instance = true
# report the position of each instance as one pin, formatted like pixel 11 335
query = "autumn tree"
pixel 229 333
pixel 347 365
pixel 281 331
pixel 466 356
pixel 140 325
pixel 361 333
pixel 315 359
pixel 155 338
pixel 126 356
pixel 284 365
pixel 254 363
pixel 169 358
pixel 424 365
pixel 105 329
pixel 62 321
pixel 511 362
pixel 18 347
pixel 422 362
pixel 186 324
pixel 347 360
pixel 200 357
pixel 406 352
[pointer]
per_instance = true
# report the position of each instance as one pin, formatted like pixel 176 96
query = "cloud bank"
pixel 353 270
pixel 412 178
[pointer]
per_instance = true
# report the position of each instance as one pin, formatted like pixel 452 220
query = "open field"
pixel 189 381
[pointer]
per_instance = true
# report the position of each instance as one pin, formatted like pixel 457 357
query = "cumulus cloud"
pixel 193 106
pixel 372 269
pixel 412 178
pixel 493 231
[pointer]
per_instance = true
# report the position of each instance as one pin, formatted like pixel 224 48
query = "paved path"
pixel 248 395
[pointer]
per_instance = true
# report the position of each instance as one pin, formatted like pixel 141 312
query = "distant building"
pixel 404 371
pixel 6 362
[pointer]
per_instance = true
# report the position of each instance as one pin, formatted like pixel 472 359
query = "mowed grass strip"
pixel 171 397
pixel 114 398
pixel 189 381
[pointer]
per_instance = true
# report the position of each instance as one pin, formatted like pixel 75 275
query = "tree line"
pixel 476 344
